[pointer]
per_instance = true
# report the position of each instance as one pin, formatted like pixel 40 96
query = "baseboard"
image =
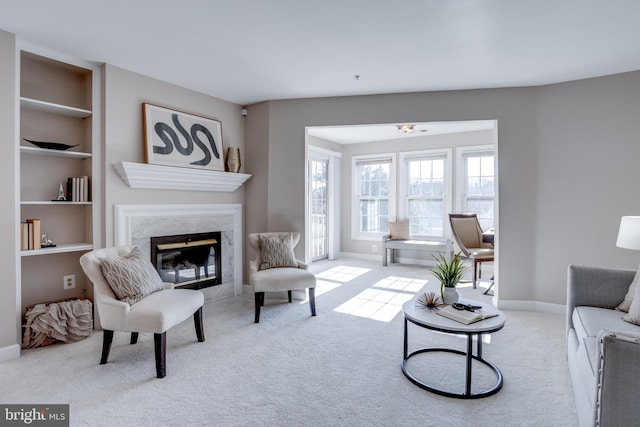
pixel 543 307
pixel 367 257
pixel 9 352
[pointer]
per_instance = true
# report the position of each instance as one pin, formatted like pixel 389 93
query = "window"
pixel 374 189
pixel 426 188
pixel 478 166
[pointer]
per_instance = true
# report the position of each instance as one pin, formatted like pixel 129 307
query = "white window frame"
pixel 461 175
pixel 335 159
pixel 448 179
pixel 356 234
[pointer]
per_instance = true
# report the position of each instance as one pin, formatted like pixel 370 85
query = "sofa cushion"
pixel 628 298
pixel 589 321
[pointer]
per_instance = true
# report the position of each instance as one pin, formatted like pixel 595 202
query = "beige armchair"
pixel 468 236
pixel 154 308
pixel 275 268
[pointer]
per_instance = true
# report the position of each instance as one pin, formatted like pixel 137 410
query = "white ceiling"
pixel 246 51
pixel 386 132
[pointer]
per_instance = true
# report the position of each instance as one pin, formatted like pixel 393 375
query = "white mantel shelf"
pixel 142 175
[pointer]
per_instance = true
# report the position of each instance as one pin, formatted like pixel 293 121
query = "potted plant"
pixel 450 274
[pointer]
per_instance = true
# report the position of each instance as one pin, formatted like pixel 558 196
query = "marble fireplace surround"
pixel 136 224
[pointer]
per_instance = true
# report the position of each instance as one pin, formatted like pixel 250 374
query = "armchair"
pixel 468 236
pixel 276 269
pixel 157 311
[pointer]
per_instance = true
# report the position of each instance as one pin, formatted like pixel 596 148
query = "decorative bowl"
pixel 50 145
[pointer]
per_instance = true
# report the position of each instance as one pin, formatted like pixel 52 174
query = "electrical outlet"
pixel 374 248
pixel 69 281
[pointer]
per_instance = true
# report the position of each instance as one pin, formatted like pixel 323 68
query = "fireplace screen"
pixel 188 260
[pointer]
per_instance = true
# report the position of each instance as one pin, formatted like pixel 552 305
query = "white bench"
pixel 431 246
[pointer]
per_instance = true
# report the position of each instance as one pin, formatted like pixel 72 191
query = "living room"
pixel 559 145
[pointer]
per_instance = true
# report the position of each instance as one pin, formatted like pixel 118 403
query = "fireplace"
pixel 137 224
pixel 192 261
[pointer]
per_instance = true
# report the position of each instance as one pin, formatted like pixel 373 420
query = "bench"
pixel 431 246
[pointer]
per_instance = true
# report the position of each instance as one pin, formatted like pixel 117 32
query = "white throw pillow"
pixel 626 303
pixel 131 277
pixel 276 252
pixel 400 230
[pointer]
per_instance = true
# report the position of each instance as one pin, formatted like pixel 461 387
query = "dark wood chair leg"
pixel 312 300
pixel 259 299
pixel 289 293
pixel 134 338
pixel 160 346
pixel 107 339
pixel 197 320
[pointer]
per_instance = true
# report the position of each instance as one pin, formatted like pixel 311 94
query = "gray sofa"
pixel 603 350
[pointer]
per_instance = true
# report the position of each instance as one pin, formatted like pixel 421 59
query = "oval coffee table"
pixel 427 318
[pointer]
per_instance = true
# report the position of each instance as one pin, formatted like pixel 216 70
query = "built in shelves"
pixel 59 249
pixel 50 107
pixel 54 153
pixel 142 175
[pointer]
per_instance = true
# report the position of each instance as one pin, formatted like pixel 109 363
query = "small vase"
pixel 233 159
pixel 449 295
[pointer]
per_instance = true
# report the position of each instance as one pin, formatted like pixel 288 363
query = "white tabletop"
pixel 428 318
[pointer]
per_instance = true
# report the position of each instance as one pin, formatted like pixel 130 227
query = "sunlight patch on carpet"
pixel 407 284
pixel 382 304
pixel 328 280
pixel 342 273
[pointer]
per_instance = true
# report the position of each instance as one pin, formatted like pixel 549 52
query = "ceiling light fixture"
pixel 405 128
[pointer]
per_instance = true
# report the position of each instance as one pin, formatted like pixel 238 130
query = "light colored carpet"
pixel 341 368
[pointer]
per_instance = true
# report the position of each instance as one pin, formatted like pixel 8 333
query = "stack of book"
pixel 30 232
pixel 78 189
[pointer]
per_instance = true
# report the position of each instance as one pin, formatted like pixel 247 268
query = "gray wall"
pixel 588 149
pixel 125 92
pixel 9 218
pixel 548 137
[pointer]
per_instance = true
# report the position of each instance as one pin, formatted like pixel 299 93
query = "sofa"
pixel 603 349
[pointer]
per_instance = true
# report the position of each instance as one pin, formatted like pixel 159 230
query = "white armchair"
pixel 155 312
pixel 275 268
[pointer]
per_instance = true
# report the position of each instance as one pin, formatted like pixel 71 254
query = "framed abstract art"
pixel 175 138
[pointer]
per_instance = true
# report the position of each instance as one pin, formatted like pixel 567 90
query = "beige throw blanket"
pixel 66 321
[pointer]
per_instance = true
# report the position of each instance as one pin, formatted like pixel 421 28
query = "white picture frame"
pixel 176 138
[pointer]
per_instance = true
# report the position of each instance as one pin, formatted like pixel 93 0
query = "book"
pixel 35 231
pixel 464 316
pixel 24 236
pixel 78 189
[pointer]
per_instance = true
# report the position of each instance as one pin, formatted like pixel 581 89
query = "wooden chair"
pixel 468 236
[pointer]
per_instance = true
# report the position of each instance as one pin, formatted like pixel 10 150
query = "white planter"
pixel 450 295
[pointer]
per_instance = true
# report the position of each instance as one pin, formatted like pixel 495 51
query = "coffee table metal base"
pixel 467 394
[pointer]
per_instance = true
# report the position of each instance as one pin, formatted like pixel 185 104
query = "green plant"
pixel 448 272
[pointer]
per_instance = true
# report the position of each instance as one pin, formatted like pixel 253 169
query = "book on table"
pixel 464 316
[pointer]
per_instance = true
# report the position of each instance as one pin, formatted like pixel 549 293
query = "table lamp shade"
pixel 629 233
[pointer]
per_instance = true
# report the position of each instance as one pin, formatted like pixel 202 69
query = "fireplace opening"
pixel 190 261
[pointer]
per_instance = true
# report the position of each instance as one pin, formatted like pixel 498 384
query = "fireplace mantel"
pixel 142 175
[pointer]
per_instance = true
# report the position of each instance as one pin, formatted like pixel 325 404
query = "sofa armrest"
pixel 596 286
pixel 302 265
pixel 619 355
